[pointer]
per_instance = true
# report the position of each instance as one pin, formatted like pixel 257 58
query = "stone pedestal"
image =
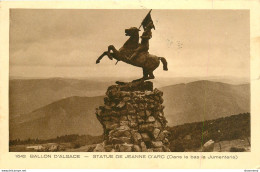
pixel 133 120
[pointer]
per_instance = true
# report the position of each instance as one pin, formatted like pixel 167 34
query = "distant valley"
pixel 54 107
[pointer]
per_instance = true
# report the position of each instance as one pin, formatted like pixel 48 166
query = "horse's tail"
pixel 164 62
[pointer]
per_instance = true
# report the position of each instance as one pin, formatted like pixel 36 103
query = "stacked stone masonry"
pixel 133 120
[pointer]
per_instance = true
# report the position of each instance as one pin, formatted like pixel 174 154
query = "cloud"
pixel 215 41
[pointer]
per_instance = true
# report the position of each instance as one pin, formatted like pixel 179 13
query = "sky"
pixel 66 43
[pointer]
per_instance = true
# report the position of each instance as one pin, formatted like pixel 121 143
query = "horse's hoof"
pixel 97 61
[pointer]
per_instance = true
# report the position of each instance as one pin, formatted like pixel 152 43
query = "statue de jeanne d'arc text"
pixel 136 53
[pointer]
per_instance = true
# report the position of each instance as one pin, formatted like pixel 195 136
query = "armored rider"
pixel 144 47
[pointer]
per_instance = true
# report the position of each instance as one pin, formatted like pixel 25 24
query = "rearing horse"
pixel 145 60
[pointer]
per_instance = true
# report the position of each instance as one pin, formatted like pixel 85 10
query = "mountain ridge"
pixel 207 98
pixel 67 116
pixel 183 103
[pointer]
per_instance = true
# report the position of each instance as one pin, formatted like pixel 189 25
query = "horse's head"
pixel 132 42
pixel 131 31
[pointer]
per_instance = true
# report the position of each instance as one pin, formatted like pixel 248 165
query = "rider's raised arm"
pixel 146 37
pixel 147 34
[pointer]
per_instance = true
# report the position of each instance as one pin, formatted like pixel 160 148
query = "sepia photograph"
pixel 129 80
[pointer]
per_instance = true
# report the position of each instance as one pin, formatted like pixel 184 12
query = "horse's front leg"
pixel 112 48
pixel 102 55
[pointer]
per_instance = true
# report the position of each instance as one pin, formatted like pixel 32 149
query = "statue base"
pixel 133 120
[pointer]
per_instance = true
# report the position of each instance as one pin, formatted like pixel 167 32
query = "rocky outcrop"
pixel 132 118
pixel 208 146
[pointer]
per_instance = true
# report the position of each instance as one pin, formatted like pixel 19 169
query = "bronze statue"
pixel 137 54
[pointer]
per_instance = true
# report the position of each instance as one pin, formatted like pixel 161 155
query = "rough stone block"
pixel 126 99
pixel 157 144
pixel 123 127
pixel 145 137
pixel 136 136
pixel 156 132
pixel 141 113
pixel 149 150
pixel 109 148
pixel 137 148
pixel 121 104
pixel 116 141
pixel 158 149
pixel 150 119
pixel 143 147
pixel 99 148
pixel 126 148
pixel 123 118
pixel 146 127
pixel 148 112
pixel 110 125
pixel 124 123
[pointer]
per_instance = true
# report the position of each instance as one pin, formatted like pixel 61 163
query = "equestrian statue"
pixel 136 53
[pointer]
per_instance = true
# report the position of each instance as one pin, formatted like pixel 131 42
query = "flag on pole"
pixel 147 20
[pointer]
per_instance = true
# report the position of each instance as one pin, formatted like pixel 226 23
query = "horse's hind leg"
pixel 145 74
pixel 151 75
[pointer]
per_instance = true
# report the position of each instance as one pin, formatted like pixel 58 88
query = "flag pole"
pixel 144 18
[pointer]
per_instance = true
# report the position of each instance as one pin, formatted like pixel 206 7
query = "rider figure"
pixel 144 47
